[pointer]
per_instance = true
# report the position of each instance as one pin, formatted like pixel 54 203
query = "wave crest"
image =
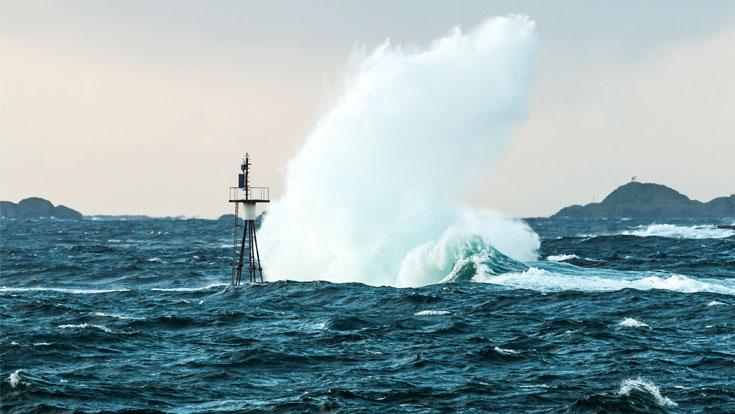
pixel 601 281
pixel 648 387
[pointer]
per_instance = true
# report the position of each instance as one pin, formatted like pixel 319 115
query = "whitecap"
pixel 535 386
pixel 194 289
pixel 716 303
pixel 117 316
pixel 600 281
pixel 61 290
pixel 41 344
pixel 14 378
pixel 84 326
pixel 707 231
pixel 562 257
pixel 506 351
pixel 646 386
pixel 156 260
pixel 633 323
pixel 431 313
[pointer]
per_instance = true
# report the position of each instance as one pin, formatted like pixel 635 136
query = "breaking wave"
pixel 647 387
pixel 603 280
pixel 375 194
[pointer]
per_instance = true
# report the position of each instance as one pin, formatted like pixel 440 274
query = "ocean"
pixel 137 315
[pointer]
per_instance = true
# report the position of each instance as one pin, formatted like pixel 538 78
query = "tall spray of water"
pixel 373 196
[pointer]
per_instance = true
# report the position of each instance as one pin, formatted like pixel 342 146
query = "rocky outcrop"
pixel 36 207
pixel 651 201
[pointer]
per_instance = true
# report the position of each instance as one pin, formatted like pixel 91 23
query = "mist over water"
pixel 376 193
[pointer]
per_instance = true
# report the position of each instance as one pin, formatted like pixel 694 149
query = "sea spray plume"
pixel 385 169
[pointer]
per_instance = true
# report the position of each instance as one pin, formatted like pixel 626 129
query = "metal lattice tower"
pixel 247 251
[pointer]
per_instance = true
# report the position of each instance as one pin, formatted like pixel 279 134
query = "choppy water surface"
pixel 616 316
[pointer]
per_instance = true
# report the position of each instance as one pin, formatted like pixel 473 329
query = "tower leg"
pixel 242 253
pixel 257 255
pixel 251 262
pixel 234 244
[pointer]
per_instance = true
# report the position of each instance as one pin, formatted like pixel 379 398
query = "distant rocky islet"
pixel 650 201
pixel 36 207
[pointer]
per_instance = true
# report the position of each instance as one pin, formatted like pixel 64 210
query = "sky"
pixel 140 107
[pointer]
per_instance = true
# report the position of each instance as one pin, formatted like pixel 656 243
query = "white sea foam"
pixel 506 351
pixel 432 313
pixel 716 303
pixel 394 156
pixel 85 326
pixel 62 290
pixel 192 289
pixel 562 257
pixel 546 281
pixel 14 378
pixel 633 323
pixel 41 344
pixel 680 232
pixel 642 385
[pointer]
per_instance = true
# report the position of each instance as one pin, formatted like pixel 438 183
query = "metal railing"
pixel 260 194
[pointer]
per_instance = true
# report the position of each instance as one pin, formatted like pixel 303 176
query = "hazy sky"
pixel 145 107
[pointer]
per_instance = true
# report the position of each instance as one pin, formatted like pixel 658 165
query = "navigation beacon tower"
pixel 249 197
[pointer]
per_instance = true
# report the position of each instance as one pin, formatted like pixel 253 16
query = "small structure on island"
pixel 246 248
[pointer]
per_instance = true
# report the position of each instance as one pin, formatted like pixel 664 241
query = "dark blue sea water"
pixel 122 315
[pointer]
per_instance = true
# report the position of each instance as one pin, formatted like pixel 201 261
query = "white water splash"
pixel 386 169
pixel 642 385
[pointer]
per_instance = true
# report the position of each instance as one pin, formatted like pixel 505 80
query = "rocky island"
pixel 651 201
pixel 36 207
